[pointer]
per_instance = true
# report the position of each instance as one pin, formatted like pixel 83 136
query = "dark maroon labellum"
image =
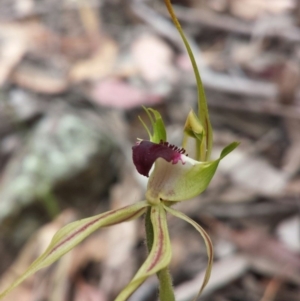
pixel 145 153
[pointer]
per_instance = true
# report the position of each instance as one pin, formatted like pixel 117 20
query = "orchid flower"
pixel 173 177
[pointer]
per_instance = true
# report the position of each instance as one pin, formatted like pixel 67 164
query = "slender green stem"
pixel 166 292
pixel 149 229
pixel 202 104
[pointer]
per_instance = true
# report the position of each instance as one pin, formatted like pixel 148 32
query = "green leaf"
pixel 207 241
pixel 159 257
pixel 202 105
pixel 158 127
pixel 183 180
pixel 72 234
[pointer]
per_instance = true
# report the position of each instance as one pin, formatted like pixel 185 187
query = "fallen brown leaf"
pixel 263 249
pixel 223 272
pixel 153 58
pixel 12 49
pixel 254 172
pixel 39 80
pixel 98 66
pixel 119 94
pixel 252 9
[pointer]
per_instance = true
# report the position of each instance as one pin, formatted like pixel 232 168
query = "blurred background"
pixel 73 78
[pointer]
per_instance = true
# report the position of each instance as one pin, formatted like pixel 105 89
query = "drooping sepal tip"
pixel 207 241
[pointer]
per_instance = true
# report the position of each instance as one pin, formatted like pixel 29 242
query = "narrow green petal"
pixel 72 234
pixel 160 255
pixel 146 128
pixel 159 130
pixel 208 244
pixel 158 126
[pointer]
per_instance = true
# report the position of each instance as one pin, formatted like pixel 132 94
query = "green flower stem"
pixel 166 292
pixel 202 104
pixel 149 229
